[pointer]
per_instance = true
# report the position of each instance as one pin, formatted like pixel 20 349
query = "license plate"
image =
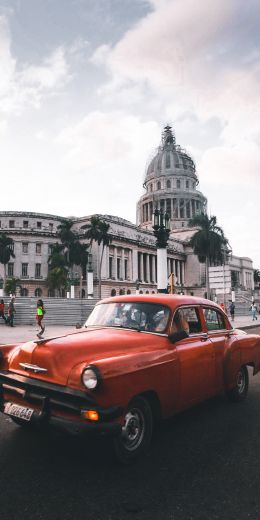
pixel 18 411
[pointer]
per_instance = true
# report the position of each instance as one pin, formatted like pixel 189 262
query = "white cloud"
pixel 23 85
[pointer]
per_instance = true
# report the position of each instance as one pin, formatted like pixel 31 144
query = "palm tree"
pixel 256 275
pixel 208 242
pixel 97 231
pixel 75 252
pixel 6 251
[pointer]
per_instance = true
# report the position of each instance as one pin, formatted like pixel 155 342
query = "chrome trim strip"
pixel 34 368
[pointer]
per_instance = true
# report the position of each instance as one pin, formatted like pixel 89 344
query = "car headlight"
pixel 91 377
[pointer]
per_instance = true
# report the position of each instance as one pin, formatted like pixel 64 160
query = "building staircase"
pixel 59 311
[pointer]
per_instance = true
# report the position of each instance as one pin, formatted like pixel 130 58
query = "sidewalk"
pixel 22 333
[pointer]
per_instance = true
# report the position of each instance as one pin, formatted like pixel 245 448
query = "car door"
pixel 219 330
pixel 196 360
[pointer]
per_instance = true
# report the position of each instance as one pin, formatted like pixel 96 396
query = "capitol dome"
pixel 171 185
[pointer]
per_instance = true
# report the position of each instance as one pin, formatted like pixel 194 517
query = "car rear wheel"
pixel 136 432
pixel 239 392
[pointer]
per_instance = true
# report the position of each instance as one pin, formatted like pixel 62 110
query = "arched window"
pixel 158 185
pixel 128 291
pixel 24 291
pixel 38 292
pixel 168 184
pixel 140 292
pixel 178 183
pixel 146 292
pixel 153 292
pixel 113 292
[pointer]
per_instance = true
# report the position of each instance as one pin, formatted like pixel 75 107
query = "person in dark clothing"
pixel 232 310
pixel 2 310
pixel 11 312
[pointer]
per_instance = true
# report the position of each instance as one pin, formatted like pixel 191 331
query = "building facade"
pixel 130 262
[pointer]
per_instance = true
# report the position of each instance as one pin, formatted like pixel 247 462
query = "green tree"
pixel 58 269
pixel 58 278
pixel 74 252
pixel 256 275
pixel 208 242
pixel 6 251
pixel 11 285
pixel 97 231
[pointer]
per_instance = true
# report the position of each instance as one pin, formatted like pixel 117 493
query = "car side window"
pixel 214 319
pixel 187 318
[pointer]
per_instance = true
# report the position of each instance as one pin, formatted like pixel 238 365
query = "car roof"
pixel 173 300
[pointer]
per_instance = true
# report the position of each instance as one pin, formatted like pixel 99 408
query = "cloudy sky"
pixel 86 87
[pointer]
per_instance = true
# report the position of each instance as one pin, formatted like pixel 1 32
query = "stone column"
pixel 142 266
pixel 115 263
pixel 153 268
pixel 123 274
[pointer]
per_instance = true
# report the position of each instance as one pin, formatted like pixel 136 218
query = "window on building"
pixel 39 225
pixel 25 248
pixel 168 207
pixel 168 184
pixel 158 185
pixel 37 270
pixel 126 269
pixel 23 291
pixel 118 268
pixel 10 269
pixel 113 292
pixel 25 224
pixel 128 291
pixel 50 226
pixel 38 248
pixel 110 267
pixel 50 249
pixel 38 292
pixel 178 183
pixel 11 223
pixel 182 208
pixel 24 270
pixel 187 184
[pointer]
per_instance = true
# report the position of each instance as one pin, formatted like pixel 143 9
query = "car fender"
pixel 242 350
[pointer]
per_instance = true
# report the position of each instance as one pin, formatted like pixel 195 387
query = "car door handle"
pixel 204 337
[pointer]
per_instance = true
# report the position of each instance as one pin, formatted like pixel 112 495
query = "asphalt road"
pixel 203 464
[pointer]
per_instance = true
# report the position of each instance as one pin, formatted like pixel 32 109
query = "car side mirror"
pixel 178 336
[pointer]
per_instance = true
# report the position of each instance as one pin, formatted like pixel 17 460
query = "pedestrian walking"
pixel 2 310
pixel 232 310
pixel 40 311
pixel 254 311
pixel 11 312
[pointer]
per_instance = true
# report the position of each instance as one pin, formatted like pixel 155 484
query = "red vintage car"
pixel 136 360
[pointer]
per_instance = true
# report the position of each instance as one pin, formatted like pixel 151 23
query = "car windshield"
pixel 133 315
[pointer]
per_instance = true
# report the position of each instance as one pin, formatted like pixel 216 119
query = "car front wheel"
pixel 239 392
pixel 136 432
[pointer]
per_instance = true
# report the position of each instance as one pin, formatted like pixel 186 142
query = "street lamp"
pixel 161 229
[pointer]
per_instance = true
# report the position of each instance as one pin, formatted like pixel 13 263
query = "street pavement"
pixel 21 333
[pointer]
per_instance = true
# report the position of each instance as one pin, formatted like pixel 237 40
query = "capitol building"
pixel 129 264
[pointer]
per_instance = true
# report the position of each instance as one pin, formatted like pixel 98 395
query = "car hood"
pixel 59 355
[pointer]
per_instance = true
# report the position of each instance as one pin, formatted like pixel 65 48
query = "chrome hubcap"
pixel 133 429
pixel 241 381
